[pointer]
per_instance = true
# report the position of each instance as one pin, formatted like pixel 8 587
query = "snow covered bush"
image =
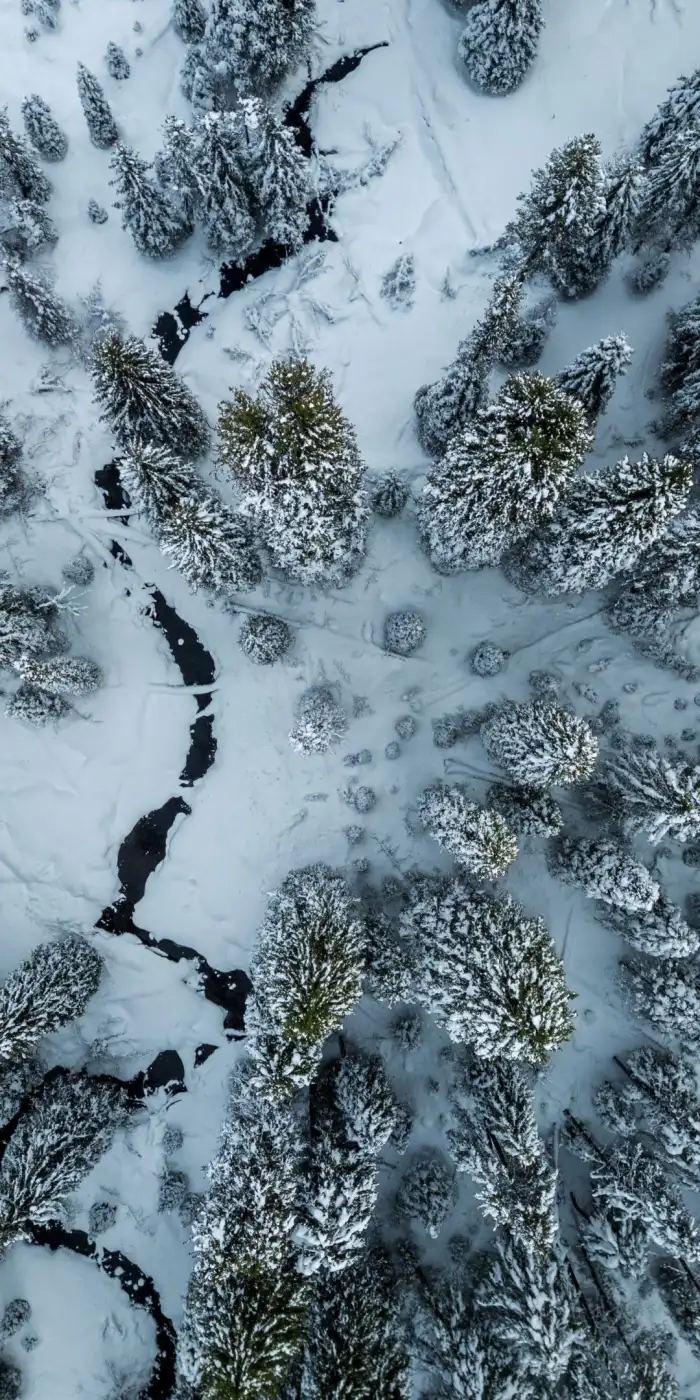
pixel 556 220
pixel 428 1190
pixel 189 20
pixel 264 639
pixel 528 811
pixel 15 488
pixel 660 931
pixel 364 1099
pixel 117 62
pixel 399 283
pixel 142 397
pixel 42 128
pixel 61 675
pixel 11 1383
pixel 98 114
pixel 654 794
pixel 503 474
pixel 406 726
pixel 500 42
pixel 16 1314
pixel 44 315
pixel 307 973
pixel 389 496
pixel 487 973
pixel 26 228
pixel 609 519
pixel 295 455
pixel 209 543
pixel 53 986
pixel 320 722
pixel 156 226
pixel 650 273
pixel 364 798
pixel 592 376
pixel 102 1217
pixel 480 841
pixel 404 633
pixel 488 659
pixel 605 870
pixel 28 623
pixel 540 744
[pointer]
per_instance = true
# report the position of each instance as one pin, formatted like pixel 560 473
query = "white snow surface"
pixel 71 795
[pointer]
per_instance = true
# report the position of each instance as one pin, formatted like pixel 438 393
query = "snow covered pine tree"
pixel 51 987
pixel 503 474
pixel 355 1337
pixel 20 174
pixel 605 870
pixel 98 114
pixel 259 44
pixel 15 489
pixel 295 455
pixel 594 373
pixel 654 794
pixel 480 841
pixel 45 316
pixel 209 543
pixel 557 219
pixel 42 128
pixel 540 744
pixel 141 396
pixel 155 226
pixel 189 20
pixel 500 42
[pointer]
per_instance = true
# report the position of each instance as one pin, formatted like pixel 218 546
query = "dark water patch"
pixel 172 329
pixel 143 849
pixel 296 116
pixel 203 1052
pixel 234 277
pixel 139 1289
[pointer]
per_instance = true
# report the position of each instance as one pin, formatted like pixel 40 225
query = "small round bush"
pixel 79 570
pixel 488 660
pixel 264 639
pixel 355 760
pixel 17 1312
pixel 407 1029
pixel 103 1215
pixel 173 1139
pixel 389 496
pixel 354 834
pixel 392 750
pixel 97 214
pixel 404 632
pixel 172 1190
pixel 365 799
pixel 320 723
pixel 361 865
pixel 406 726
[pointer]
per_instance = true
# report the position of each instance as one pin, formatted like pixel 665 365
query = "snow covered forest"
pixel 350 700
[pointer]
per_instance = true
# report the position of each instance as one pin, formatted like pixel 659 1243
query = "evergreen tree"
pixel 659 1098
pixel 42 129
pixel 364 1101
pixel 428 1190
pixel 679 1289
pixel 648 1378
pixel 444 408
pixel 618 1241
pixel 500 42
pixel 594 373
pixel 280 175
pixel 142 397
pixel 320 721
pixel 295 455
pixel 242 1334
pixel 667 994
pixel 340 1197
pixel 497 1142
pixel 26 227
pixel 680 371
pixel 56 1143
pixel 62 675
pixel 503 474
pixel 527 1309
pixel 118 65
pixel 630 1179
pixel 259 44
pixel 98 113
pixel 52 986
pixel 666 578
pixel 479 840
pixel 655 795
pixel 355 1344
pixel 223 199
pixel 28 618
pixel 613 230
pixel 155 479
pixel 540 744
pixel 176 167
pixel 669 213
pixel 681 106
pixel 15 489
pixel 604 870
pixel 155 226
pixel 528 811
pixel 20 174
pixel 487 973
pixel 661 931
pixel 189 20
pixel 44 315
pixel 524 344
pixel 556 221
pixel 307 972
pixel 209 543
pixel 610 518
pixel 457 1350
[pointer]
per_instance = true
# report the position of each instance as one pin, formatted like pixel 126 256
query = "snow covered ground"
pixel 71 795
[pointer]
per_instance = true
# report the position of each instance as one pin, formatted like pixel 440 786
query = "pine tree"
pixel 679 1289
pixel 604 870
pixel 98 114
pixel 667 994
pixel 261 43
pixel 363 1100
pixel 62 675
pixel 614 228
pixel 630 1179
pixel 189 20
pixel 59 1139
pixel 51 987
pixel 25 228
pixel 503 475
pixel 223 199
pixel 176 167
pixel 649 1379
pixel 20 174
pixel 340 1197
pixel 669 216
pixel 657 1097
pixel 500 42
pixel 479 840
pixel 242 1334
pixel 42 129
pixel 524 344
pixel 457 1350
pixel 610 518
pixel 355 1342
pixel 617 1241
pixel 681 106
pixel 497 1142
pixel 44 315
pixel 307 971
pixel 295 455
pixel 487 973
pixel 28 618
pixel 118 65
pixel 155 479
pixel 680 371
pixel 526 1306
pixel 428 1191
pixel 209 543
pixel 540 744
pixel 280 175
pixel 444 408
pixel 15 489
pixel 655 795
pixel 320 721
pixel 155 226
pixel 142 398
pixel 528 811
pixel 594 373
pixel 556 221
pixel 661 931
pixel 666 578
